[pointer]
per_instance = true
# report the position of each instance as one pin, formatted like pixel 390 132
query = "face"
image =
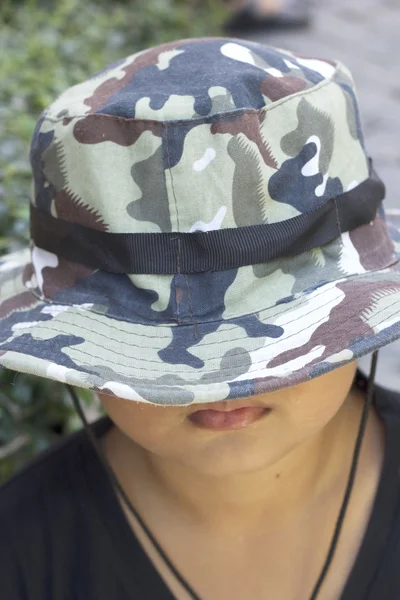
pixel 235 436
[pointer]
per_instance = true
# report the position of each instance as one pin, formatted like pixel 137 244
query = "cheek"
pixel 307 420
pixel 151 427
pixel 309 414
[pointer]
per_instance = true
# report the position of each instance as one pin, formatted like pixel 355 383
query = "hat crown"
pixel 193 79
pixel 199 135
pixel 205 226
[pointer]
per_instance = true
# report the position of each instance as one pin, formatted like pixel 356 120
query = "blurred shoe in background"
pixel 250 16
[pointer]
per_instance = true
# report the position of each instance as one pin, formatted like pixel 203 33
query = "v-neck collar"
pixel 136 568
pixel 133 565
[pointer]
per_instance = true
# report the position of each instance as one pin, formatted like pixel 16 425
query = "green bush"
pixel 47 46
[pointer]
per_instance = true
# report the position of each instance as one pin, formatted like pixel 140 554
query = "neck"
pixel 310 472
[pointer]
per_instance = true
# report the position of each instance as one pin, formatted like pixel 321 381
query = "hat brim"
pixel 311 334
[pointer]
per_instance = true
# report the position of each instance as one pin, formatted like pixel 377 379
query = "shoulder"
pixel 47 473
pixel 43 509
pixel 52 474
pixel 49 493
pixel 35 506
pixel 30 504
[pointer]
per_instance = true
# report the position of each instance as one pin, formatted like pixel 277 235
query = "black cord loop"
pixel 342 512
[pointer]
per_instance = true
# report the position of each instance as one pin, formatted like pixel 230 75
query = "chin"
pixel 234 456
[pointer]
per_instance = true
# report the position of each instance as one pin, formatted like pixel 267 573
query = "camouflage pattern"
pixel 201 135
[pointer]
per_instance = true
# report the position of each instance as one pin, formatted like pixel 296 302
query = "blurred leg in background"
pixel 253 15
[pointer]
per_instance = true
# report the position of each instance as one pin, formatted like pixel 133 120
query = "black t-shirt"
pixel 64 536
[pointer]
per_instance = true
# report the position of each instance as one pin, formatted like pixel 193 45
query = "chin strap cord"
pixel 124 496
pixel 339 521
pixel 127 501
pixel 351 479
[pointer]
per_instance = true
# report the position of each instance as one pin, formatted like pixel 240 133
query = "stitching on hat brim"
pixel 187 384
pixel 75 348
pixel 225 369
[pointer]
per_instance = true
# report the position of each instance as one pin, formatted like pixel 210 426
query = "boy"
pixel 211 256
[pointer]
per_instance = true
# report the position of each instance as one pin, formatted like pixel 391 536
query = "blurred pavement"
pixel 364 34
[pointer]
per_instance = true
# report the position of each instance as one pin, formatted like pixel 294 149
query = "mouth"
pixel 225 420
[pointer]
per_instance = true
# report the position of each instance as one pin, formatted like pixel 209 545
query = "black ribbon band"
pixel 169 253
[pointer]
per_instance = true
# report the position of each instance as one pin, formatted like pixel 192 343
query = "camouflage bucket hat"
pixel 205 225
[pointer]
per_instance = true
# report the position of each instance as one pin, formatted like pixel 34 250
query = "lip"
pixel 229 405
pixel 225 419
